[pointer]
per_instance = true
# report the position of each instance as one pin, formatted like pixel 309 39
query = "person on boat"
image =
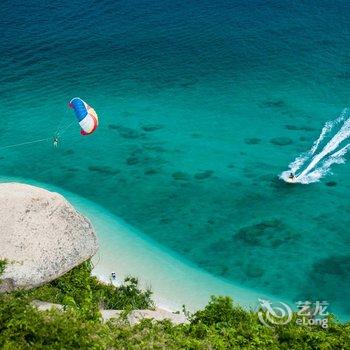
pixel 291 176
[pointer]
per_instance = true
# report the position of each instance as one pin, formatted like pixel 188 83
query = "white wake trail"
pixel 317 174
pixel 319 162
pixel 328 127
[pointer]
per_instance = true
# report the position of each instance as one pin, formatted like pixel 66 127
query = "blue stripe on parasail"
pixel 79 108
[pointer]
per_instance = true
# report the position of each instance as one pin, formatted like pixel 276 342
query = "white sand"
pixel 173 281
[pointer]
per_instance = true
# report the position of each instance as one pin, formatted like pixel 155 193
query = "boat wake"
pixel 327 150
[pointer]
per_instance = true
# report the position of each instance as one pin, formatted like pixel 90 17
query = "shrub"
pixel 77 288
pixel 2 266
pixel 24 327
pixel 127 296
pixel 220 325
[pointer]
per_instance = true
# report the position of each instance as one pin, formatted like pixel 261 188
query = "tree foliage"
pixel 78 288
pixel 220 325
pixel 2 266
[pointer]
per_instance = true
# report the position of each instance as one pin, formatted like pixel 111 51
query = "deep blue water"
pixel 202 104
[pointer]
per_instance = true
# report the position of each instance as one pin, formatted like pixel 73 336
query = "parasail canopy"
pixel 86 115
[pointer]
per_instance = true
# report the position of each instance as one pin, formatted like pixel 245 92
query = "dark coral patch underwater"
pixel 104 170
pixel 267 233
pixel 204 175
pixel 252 141
pixel 152 127
pixel 281 141
pixel 277 103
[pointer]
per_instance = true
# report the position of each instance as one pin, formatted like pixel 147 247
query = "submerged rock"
pixel 125 132
pixel 154 148
pixel 152 127
pixel 338 265
pixel 41 236
pixel 204 175
pixel 72 170
pixel 253 271
pixel 132 160
pixel 113 126
pixel 281 141
pixel 179 175
pixel 299 128
pixel 106 170
pixel 278 103
pixel 267 233
pixel 151 171
pixel 68 152
pixel 252 141
pixel 329 275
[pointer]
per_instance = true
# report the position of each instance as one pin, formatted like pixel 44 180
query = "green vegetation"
pixel 77 288
pixel 220 325
pixel 2 266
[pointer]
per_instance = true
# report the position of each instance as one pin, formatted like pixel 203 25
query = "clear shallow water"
pixel 174 281
pixel 202 105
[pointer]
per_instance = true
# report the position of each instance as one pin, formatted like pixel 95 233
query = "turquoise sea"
pixel 202 105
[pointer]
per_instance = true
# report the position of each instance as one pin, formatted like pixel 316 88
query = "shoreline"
pixel 173 280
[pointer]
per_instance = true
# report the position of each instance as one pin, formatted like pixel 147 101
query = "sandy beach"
pixel 174 281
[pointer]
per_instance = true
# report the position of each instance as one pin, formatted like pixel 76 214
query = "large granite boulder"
pixel 41 236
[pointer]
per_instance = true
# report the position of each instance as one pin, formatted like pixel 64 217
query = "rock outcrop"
pixel 41 236
pixel 133 317
pixel 136 316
